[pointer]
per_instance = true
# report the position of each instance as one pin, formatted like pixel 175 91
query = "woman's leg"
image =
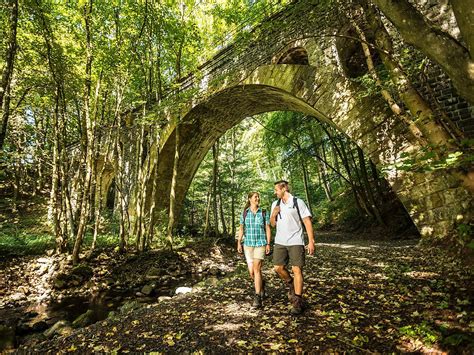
pixel 248 252
pixel 257 272
pixel 251 272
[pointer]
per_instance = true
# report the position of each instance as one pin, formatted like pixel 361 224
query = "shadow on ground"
pixel 362 295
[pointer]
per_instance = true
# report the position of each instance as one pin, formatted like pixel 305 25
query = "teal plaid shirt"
pixel 254 231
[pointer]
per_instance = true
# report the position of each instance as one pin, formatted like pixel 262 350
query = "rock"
pixel 83 271
pixel 183 290
pixel 166 279
pixel 103 256
pixel 212 281
pixel 42 270
pixel 84 319
pixel 49 252
pixel 31 314
pixel 112 315
pixel 129 306
pixel 39 326
pixel 153 273
pixel 7 337
pixel 147 290
pixel 18 296
pixel 61 327
pixel 214 271
pixel 163 298
pixel 59 282
pixel 23 289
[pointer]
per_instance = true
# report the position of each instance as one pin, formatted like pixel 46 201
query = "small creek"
pixel 39 318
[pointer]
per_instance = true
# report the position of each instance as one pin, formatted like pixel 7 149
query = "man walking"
pixel 288 216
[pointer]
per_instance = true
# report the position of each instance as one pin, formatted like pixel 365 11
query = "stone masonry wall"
pixel 239 83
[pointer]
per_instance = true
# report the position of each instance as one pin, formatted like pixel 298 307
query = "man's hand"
pixel 267 249
pixel 311 247
pixel 239 247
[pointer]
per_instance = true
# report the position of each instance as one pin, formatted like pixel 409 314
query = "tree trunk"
pixel 465 19
pixel 5 88
pixel 306 184
pixel 327 183
pixel 396 109
pixel 215 155
pixel 89 139
pixel 208 211
pixel 357 198
pixel 455 59
pixel 221 208
pixel 232 183
pixel 151 226
pixel 172 218
pixel 368 188
pixel 422 113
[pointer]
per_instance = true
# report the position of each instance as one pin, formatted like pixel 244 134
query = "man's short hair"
pixel 282 184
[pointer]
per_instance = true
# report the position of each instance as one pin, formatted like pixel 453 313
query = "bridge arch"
pixel 327 95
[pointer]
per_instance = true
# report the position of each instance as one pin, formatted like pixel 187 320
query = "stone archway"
pixel 432 199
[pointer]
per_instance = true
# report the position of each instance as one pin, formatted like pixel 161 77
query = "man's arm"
pixel 309 230
pixel 275 212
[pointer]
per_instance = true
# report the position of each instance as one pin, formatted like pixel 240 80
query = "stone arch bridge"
pixel 294 62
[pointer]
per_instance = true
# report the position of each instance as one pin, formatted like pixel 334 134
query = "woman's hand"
pixel 267 249
pixel 239 247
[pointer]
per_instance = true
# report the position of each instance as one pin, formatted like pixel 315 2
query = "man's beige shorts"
pixel 252 253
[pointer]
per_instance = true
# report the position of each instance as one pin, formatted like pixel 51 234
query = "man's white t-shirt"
pixel 289 230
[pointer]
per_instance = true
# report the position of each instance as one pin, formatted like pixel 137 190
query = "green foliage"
pixel 25 244
pixel 422 332
pixel 340 212
pixel 426 160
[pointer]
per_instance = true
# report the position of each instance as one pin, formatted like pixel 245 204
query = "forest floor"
pixel 363 296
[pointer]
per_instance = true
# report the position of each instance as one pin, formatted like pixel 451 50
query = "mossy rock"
pixel 82 270
pixel 130 306
pixel 84 319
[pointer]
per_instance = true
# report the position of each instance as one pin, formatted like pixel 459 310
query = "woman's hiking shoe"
pixel 257 301
pixel 297 305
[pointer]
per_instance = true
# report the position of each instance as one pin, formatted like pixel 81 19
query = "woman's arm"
pixel 239 238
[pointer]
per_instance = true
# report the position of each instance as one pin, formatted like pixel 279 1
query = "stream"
pixel 38 322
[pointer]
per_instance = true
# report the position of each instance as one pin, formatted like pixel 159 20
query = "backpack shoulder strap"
pixel 246 211
pixel 279 214
pixel 295 204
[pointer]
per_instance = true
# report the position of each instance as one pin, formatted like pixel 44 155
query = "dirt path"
pixel 363 296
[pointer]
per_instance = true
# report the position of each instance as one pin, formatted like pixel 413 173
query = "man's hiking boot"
pixel 297 305
pixel 257 301
pixel 291 290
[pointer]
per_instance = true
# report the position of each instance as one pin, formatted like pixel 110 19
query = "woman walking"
pixel 255 231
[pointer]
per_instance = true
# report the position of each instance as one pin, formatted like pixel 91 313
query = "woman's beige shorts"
pixel 252 253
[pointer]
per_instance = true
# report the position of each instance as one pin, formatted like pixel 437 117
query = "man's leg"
pixel 297 280
pixel 297 260
pixel 283 273
pixel 280 259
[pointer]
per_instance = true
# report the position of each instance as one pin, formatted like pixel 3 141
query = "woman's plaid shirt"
pixel 254 229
